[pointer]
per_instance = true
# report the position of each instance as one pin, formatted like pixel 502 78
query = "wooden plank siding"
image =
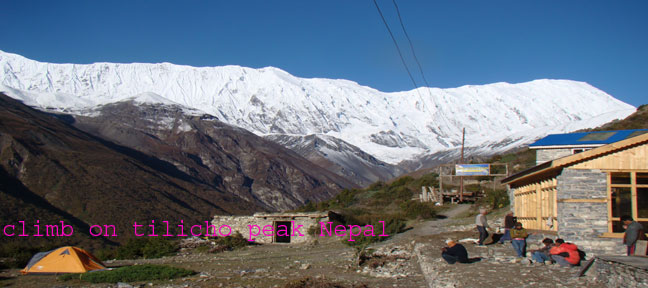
pixel 535 204
pixel 635 159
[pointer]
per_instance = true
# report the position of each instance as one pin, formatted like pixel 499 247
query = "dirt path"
pixel 433 227
pixel 437 226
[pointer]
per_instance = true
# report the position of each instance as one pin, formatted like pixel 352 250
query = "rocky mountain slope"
pixel 52 171
pixel 392 127
pixel 339 157
pixel 221 156
pixel 57 172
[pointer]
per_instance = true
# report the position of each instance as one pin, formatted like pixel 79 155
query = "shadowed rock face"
pixel 53 171
pixel 217 155
pixel 340 157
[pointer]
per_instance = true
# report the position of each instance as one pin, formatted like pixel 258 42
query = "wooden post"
pixel 539 205
pixel 440 182
pixel 555 201
pixel 461 186
pixel 609 200
pixel 633 195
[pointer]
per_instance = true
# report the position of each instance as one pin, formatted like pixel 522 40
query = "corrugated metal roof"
pixel 630 140
pixel 588 138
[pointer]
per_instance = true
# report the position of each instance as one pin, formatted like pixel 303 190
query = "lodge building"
pixel 593 179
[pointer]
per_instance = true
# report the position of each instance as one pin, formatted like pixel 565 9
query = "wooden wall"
pixel 635 158
pixel 536 203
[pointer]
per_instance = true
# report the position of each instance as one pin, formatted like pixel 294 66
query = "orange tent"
pixel 66 259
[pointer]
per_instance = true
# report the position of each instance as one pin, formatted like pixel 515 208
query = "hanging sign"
pixel 472 169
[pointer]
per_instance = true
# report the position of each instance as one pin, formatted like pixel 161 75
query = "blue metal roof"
pixel 588 138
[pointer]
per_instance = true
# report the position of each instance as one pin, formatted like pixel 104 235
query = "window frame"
pixel 633 198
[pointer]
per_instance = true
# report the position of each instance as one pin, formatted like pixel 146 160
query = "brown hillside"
pixel 221 156
pixel 53 171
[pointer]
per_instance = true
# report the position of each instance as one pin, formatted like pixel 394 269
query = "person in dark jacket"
pixel 633 232
pixel 509 223
pixel 454 252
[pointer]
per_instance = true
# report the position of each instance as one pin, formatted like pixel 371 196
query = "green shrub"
pixel 344 199
pixel 131 274
pixel 415 209
pixel 106 254
pixel 431 180
pixel 494 199
pixel 202 248
pixel 401 193
pixel 18 254
pixel 403 181
pixel 233 242
pixel 393 226
pixel 146 247
pixel 309 207
pixel 376 186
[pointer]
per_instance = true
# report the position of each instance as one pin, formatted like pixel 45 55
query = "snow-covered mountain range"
pixel 268 102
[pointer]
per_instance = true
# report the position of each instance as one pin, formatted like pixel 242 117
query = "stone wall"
pixel 544 155
pixel 242 225
pixel 618 274
pixel 582 223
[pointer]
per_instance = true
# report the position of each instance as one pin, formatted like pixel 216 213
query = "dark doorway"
pixel 282 226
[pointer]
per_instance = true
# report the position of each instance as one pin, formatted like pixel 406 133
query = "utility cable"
pixel 410 44
pixel 397 48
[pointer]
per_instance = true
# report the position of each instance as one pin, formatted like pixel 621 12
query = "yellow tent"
pixel 66 259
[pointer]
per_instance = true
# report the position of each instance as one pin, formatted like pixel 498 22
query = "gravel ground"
pixel 410 259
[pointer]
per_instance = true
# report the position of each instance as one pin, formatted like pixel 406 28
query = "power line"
pixel 397 48
pixel 410 44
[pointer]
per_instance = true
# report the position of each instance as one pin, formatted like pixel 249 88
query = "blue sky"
pixel 604 43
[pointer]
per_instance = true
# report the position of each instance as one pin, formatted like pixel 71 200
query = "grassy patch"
pixel 131 274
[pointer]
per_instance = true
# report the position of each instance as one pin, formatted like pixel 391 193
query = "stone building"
pixel 582 196
pixel 271 227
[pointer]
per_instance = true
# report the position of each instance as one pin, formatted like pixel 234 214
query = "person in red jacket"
pixel 565 254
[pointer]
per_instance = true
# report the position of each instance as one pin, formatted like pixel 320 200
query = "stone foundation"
pixel 242 225
pixel 622 271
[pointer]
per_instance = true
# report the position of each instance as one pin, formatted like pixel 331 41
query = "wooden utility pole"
pixel 461 188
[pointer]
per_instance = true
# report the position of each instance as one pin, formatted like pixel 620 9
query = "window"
pixel 628 195
pixel 579 150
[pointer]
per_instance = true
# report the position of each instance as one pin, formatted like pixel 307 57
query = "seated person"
pixel 541 255
pixel 454 252
pixel 565 254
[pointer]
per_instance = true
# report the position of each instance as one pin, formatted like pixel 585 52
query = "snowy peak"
pixel 390 126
